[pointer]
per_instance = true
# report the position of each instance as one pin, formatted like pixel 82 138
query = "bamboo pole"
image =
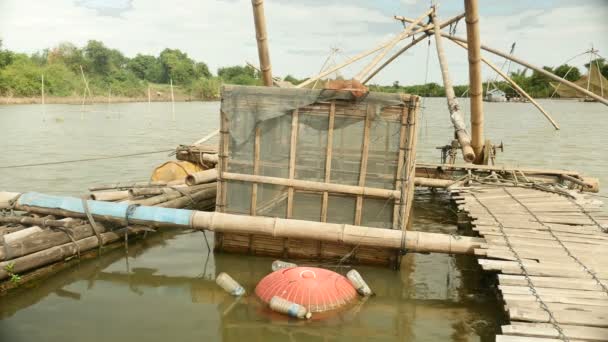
pixel 172 100
pixel 61 252
pixel 414 42
pixel 412 241
pixel 127 185
pixel 292 160
pixel 314 186
pixel 39 221
pixel 110 195
pixel 328 156
pixel 525 64
pixel 453 106
pixel 202 177
pixel 370 113
pixel 471 10
pixel 261 36
pixel 207 137
pixel 391 44
pixel 256 169
pixel 514 85
pixel 350 61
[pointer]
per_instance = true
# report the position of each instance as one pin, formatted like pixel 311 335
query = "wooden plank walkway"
pixel 551 255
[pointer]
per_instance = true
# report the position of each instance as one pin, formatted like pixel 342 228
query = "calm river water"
pixel 165 290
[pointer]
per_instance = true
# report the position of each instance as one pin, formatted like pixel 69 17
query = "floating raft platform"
pixel 550 253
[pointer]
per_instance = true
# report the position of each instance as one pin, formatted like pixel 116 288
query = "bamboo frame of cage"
pixel 401 164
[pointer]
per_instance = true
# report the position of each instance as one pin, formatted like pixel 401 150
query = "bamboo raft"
pixel 548 250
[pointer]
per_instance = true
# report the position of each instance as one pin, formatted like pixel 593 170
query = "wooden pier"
pixel 549 250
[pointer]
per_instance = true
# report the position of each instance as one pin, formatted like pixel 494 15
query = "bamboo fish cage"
pixel 316 155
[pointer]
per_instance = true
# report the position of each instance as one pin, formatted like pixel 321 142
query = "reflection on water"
pixel 165 289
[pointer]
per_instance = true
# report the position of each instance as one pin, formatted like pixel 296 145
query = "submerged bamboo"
pixel 475 83
pixel 261 36
pixel 515 86
pixel 455 115
pixel 59 253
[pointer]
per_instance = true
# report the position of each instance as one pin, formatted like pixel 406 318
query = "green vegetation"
pixel 10 268
pixel 108 70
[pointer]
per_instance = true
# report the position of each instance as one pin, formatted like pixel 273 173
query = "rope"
pixel 84 159
pixel 85 207
pixel 129 212
pixel 543 305
pixel 593 275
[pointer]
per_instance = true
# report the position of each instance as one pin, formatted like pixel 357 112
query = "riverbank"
pixel 76 100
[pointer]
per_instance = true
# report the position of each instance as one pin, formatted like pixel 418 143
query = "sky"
pixel 303 32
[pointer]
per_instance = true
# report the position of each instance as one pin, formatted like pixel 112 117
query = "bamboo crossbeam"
pixel 455 115
pixel 412 241
pixel 391 44
pixel 475 84
pixel 514 85
pixel 525 64
pixel 314 186
pixel 411 44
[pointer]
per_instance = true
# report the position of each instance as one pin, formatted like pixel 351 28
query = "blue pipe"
pixel 117 210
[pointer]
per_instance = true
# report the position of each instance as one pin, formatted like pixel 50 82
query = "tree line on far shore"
pixel 110 71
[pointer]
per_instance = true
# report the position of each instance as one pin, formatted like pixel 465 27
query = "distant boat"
pixel 495 95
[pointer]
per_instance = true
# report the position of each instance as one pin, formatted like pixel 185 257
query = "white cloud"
pixel 300 35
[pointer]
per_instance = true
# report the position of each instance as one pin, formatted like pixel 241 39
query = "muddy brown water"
pixel 165 290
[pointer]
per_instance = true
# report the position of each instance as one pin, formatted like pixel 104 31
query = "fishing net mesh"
pixel 278 116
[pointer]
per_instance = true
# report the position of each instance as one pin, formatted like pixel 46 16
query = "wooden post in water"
pixel 455 115
pixel 475 85
pixel 172 100
pixel 42 95
pixel 262 39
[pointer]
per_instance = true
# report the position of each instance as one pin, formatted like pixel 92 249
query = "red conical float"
pixel 317 289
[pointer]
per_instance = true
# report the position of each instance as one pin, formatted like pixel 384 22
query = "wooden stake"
pixel 262 40
pixel 84 93
pixel 475 83
pixel 514 85
pixel 455 115
pixel 172 100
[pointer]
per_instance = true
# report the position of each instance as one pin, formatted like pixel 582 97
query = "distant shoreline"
pixel 76 100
